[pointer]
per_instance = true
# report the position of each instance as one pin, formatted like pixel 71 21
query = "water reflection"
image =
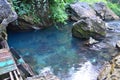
pixel 86 72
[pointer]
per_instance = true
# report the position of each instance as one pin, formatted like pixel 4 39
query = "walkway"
pixel 8 67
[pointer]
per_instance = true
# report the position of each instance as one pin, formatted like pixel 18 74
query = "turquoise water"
pixel 56 48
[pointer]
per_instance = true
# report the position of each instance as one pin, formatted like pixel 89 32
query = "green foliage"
pixel 93 1
pixel 25 8
pixel 114 1
pixel 57 8
pixel 115 7
pixel 21 7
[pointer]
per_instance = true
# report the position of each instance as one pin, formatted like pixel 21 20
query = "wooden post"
pixel 11 75
pixel 19 75
pixel 16 76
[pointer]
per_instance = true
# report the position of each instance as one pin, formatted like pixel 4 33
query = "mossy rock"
pixel 86 28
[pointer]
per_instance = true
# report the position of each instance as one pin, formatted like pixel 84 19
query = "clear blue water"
pixel 63 53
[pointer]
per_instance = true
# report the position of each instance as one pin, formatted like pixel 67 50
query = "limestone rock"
pixel 80 10
pixel 7 15
pixel 91 41
pixel 23 25
pixel 118 44
pixel 113 26
pixel 104 12
pixel 38 19
pixel 89 27
pixel 111 70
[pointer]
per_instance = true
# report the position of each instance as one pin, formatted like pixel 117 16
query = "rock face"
pixel 88 24
pixel 40 18
pixel 81 10
pixel 111 70
pixel 23 24
pixel 7 15
pixel 89 27
pixel 104 12
pixel 118 44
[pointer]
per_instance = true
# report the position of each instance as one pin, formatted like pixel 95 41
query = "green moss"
pixel 81 33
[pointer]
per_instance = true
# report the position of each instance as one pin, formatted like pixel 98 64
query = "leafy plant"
pixel 21 7
pixel 58 10
pixel 115 7
pixel 93 1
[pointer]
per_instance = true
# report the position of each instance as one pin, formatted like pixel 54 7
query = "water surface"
pixel 68 57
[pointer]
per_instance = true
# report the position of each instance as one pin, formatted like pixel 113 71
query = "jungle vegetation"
pixel 54 9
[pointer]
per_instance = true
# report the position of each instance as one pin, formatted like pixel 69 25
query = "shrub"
pixel 115 7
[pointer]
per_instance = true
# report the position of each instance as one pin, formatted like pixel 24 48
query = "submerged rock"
pixel 104 12
pixel 89 27
pixel 46 74
pixel 111 70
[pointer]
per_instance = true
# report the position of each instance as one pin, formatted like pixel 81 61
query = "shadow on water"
pixel 67 56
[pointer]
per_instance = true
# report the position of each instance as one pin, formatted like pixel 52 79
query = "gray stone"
pixel 81 10
pixel 7 15
pixel 118 44
pixel 111 70
pixel 104 12
pixel 91 41
pixel 89 27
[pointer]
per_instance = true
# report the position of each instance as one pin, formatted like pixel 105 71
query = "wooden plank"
pixel 5 54
pixel 19 75
pixel 11 75
pixel 4 50
pixel 6 79
pixel 16 75
pixel 7 69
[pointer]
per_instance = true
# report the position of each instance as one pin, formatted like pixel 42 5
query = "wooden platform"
pixel 11 67
pixel 7 63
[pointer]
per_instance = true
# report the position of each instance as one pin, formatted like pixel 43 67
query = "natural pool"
pixel 68 57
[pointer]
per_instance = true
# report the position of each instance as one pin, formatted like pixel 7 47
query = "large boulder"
pixel 80 10
pixel 89 27
pixel 104 12
pixel 24 23
pixel 111 70
pixel 7 15
pixel 38 17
